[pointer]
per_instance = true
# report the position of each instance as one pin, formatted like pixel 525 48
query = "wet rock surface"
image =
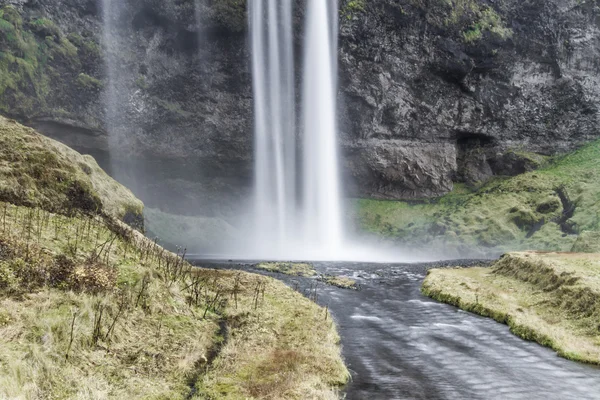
pixel 428 95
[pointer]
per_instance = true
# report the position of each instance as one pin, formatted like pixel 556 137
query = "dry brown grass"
pixel 281 346
pixel 157 337
pixel 91 309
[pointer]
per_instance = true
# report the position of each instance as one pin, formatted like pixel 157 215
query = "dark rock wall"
pixel 421 96
pixel 430 93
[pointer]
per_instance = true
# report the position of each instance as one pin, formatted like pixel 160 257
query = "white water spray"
pixel 289 224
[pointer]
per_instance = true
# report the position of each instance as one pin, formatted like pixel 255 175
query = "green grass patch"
pixel 518 213
pixel 288 268
pixel 339 281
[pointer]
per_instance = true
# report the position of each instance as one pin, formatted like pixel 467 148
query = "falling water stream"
pixel 297 201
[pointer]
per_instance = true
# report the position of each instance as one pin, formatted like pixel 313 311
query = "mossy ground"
pixel 307 271
pixel 550 298
pixel 507 214
pixel 288 268
pixel 340 281
pixel 587 242
pixel 36 171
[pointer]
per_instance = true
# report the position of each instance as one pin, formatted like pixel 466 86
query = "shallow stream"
pixel 399 344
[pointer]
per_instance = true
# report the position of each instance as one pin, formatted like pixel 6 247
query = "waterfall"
pixel 115 97
pixel 322 201
pixel 297 208
pixel 275 138
pixel 110 94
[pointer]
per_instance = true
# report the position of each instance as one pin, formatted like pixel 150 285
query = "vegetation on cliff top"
pixel 546 209
pixel 552 298
pixel 90 308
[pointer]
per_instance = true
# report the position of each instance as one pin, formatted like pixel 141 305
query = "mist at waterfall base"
pixel 297 210
pixel 298 213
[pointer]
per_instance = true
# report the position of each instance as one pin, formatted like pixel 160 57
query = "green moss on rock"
pixel 36 58
pixel 89 83
pixel 288 268
pixel 468 20
pixel 506 214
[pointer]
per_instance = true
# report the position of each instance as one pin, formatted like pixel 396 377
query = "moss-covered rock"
pixel 288 268
pixel 39 63
pixel 544 209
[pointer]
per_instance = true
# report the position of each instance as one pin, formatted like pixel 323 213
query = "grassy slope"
pixel 144 323
pixel 500 215
pixel 551 298
pixel 36 171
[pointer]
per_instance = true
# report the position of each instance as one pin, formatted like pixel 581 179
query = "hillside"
pixel 550 208
pixel 36 171
pixel 90 308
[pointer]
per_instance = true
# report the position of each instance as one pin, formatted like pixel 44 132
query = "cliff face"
pixel 430 93
pixel 435 94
